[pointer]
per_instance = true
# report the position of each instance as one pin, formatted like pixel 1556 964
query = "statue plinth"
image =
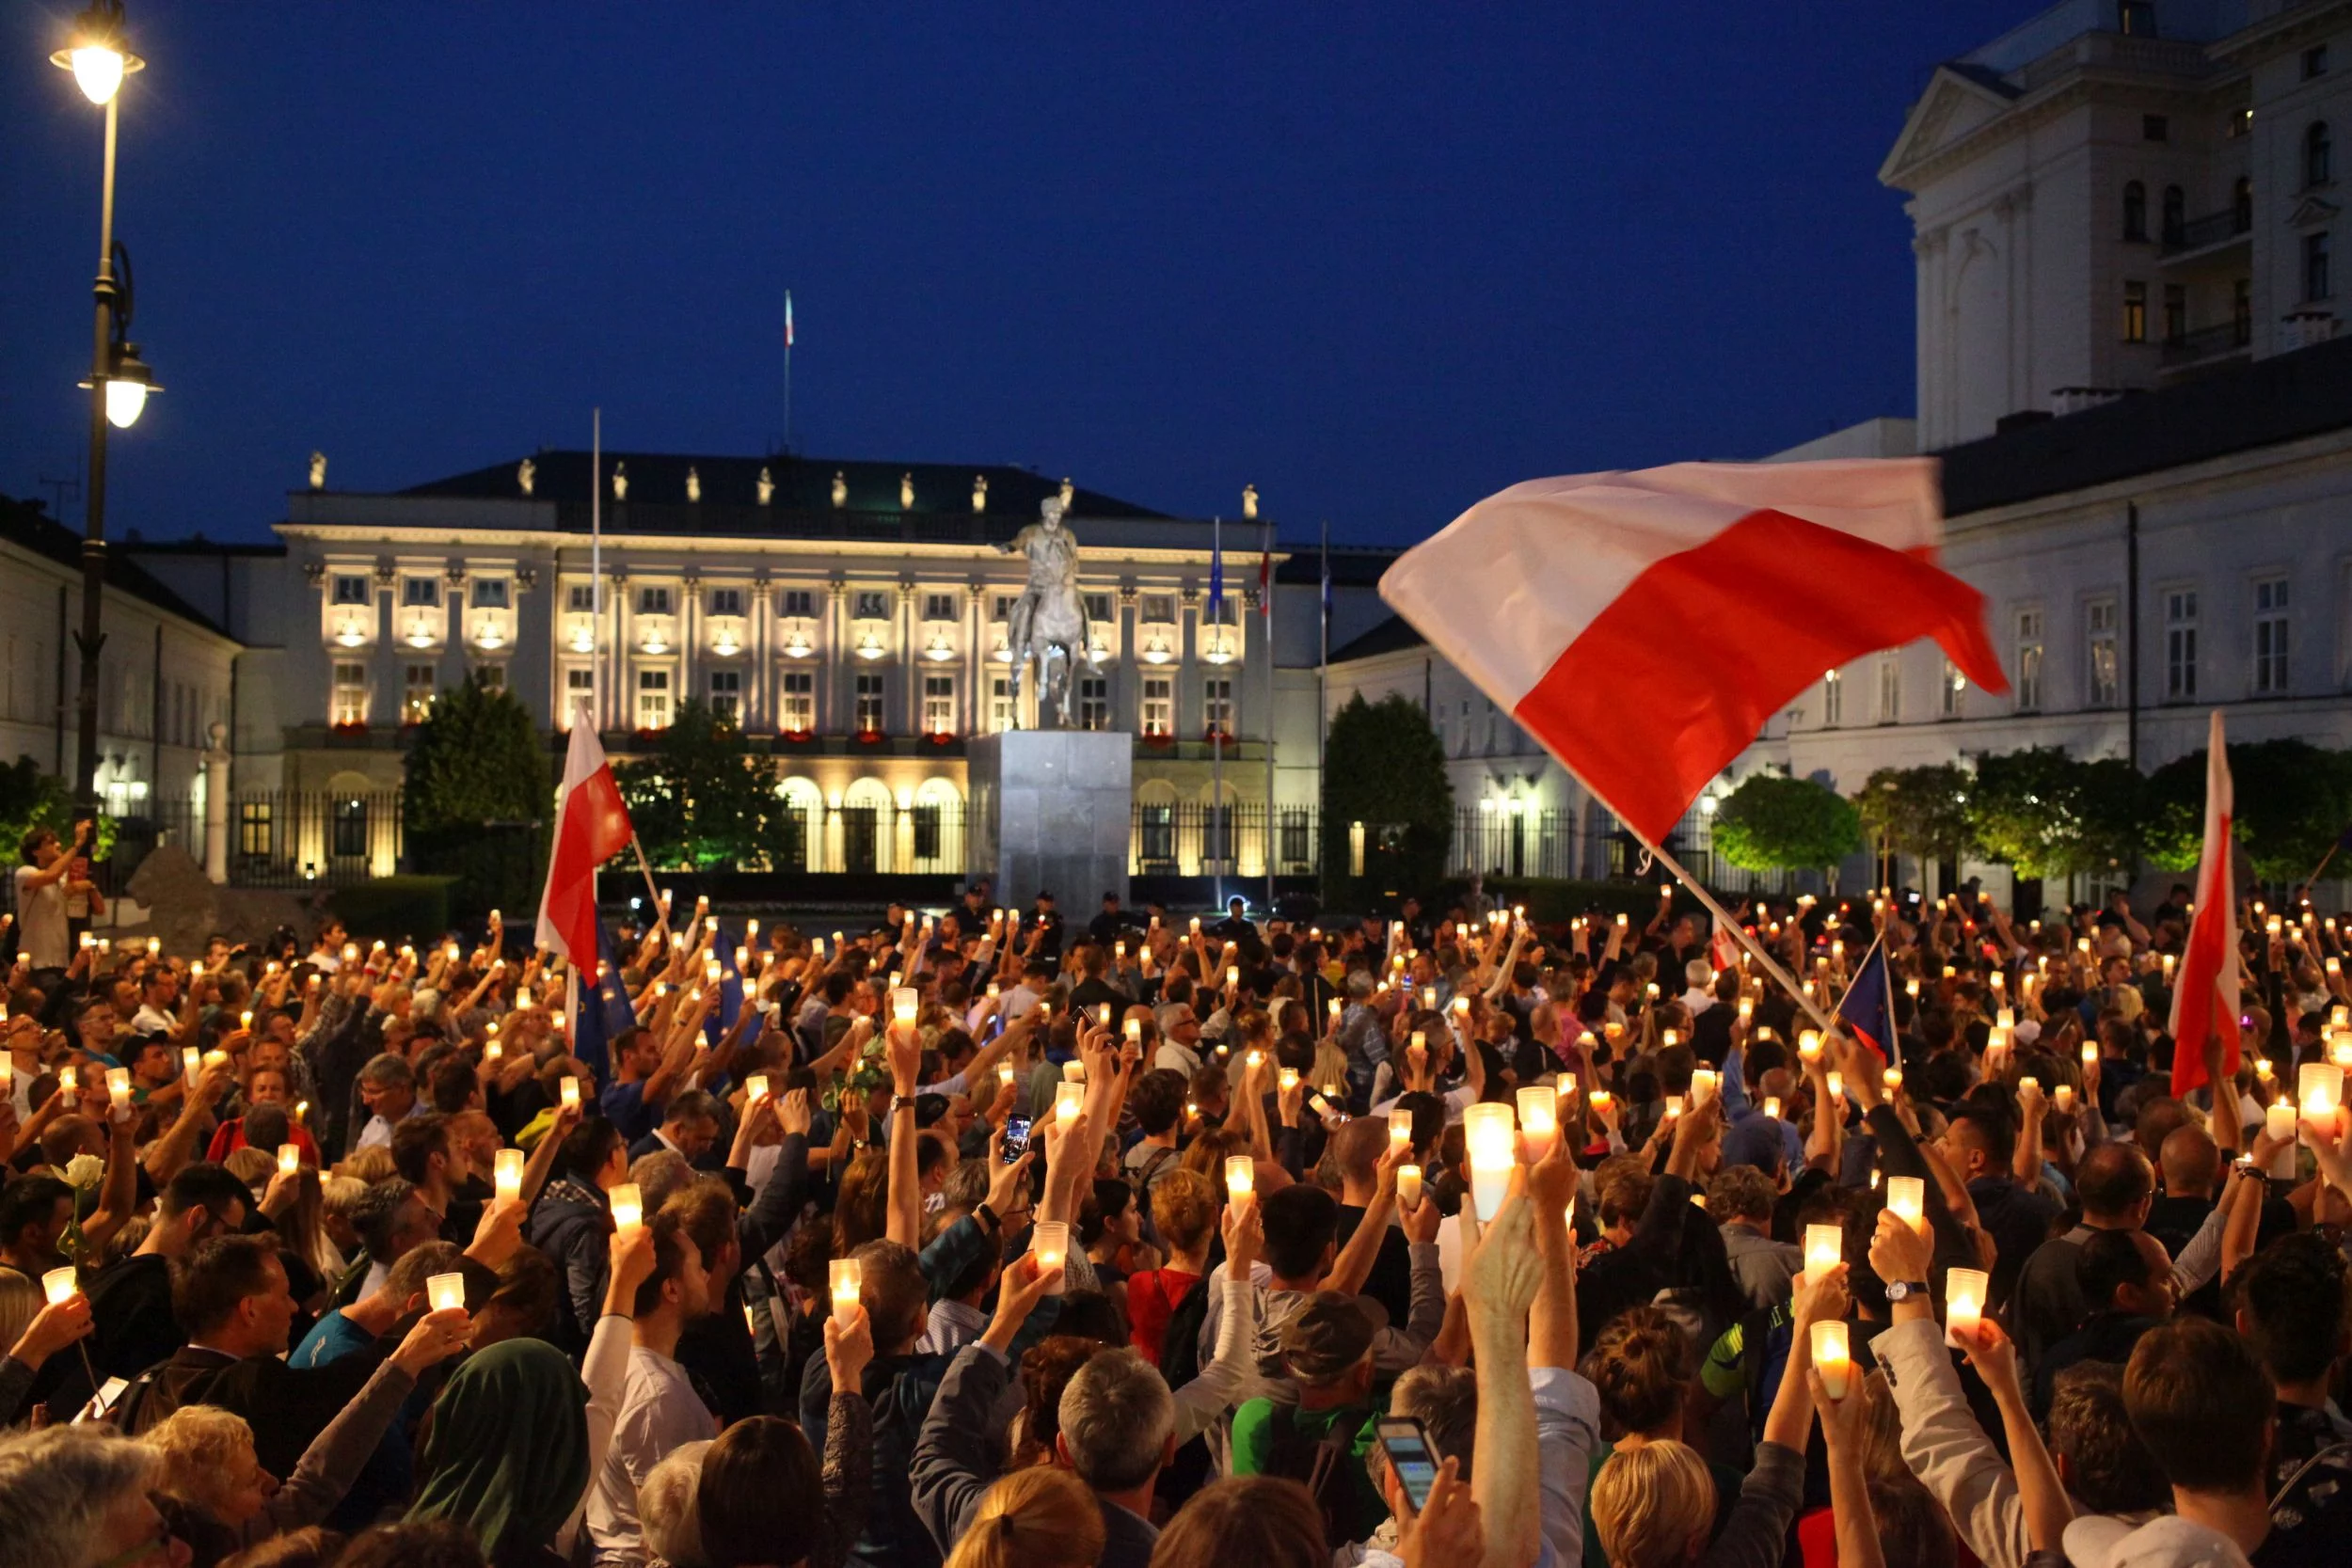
pixel 1052 810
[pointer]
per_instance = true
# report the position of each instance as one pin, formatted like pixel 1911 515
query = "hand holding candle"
pixel 629 1207
pixel 847 1279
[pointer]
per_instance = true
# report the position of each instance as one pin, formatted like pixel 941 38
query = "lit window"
pixel 2028 660
pixel 939 704
pixel 726 695
pixel 351 588
pixel 417 687
pixel 2134 312
pixel 799 715
pixel 1094 703
pixel 351 694
pixel 2099 666
pixel 2180 645
pixel 489 594
pixel 1159 706
pixel 653 699
pixel 869 705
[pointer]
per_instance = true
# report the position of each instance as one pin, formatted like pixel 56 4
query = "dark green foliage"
pixel 478 804
pixel 1385 768
pixel 699 797
pixel 2049 815
pixel 1920 812
pixel 2292 798
pixel 1770 823
pixel 31 799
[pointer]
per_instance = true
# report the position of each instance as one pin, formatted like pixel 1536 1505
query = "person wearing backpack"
pixel 1321 1441
pixel 1183 1211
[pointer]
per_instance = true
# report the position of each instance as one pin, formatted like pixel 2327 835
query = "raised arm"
pixel 904 1047
pixel 1499 1284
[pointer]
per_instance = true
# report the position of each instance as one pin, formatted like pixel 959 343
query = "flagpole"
pixel 1266 830
pixel 1217 735
pixel 1738 932
pixel 595 564
pixel 787 372
pixel 1323 695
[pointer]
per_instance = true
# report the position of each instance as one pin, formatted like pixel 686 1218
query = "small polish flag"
pixel 788 318
pixel 2205 1003
pixel 592 826
pixel 1644 626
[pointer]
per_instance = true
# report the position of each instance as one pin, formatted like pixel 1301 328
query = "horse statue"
pixel 1050 617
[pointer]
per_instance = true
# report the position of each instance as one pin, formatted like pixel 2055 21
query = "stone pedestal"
pixel 1052 810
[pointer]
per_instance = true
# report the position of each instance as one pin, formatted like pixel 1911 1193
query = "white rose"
pixel 84 1171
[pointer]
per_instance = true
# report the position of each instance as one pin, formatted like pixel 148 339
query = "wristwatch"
pixel 1903 1289
pixel 901 1103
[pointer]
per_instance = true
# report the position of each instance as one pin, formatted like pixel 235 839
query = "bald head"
pixel 2190 1162
pixel 2157 1119
pixel 2115 1183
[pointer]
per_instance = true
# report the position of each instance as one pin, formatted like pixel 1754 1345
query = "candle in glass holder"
pixel 1668 1040
pixel 569 1088
pixel 1964 1293
pixel 1809 1044
pixel 1833 1358
pixel 119 1085
pixel 507 1169
pixel 59 1285
pixel 1539 1119
pixel 1907 1198
pixel 1599 1101
pixel 2028 1081
pixel 846 1278
pixel 445 1291
pixel 1069 1099
pixel 2062 1096
pixel 288 1159
pixel 1747 1009
pixel 1704 1085
pixel 1400 1129
pixel 1005 1073
pixel 1674 1106
pixel 902 1005
pixel 191 1061
pixel 1429 998
pixel 629 1207
pixel 2278 1121
pixel 1490 1137
pixel 1892 1078
pixel 1233 977
pixel 1074 1071
pixel 1409 1186
pixel 1241 1178
pixel 1836 1084
pixel 2261 1069
pixel 1287 1079
pixel 1050 1245
pixel 1772 1106
pixel 2340 1049
pixel 1134 1031
pixel 1824 1248
pixel 68 1081
pixel 2320 1087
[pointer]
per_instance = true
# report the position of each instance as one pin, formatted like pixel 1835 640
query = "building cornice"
pixel 2289 29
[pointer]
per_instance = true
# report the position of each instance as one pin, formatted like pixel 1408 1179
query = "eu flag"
pixel 604 1011
pixel 1866 1011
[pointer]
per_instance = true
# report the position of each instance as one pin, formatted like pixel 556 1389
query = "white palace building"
pixel 2124 217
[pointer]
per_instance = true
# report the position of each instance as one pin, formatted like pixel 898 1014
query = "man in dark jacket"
pixel 572 1221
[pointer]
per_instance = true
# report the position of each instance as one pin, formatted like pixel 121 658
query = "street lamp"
pixel 119 381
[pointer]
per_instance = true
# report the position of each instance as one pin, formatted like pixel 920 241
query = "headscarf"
pixel 508 1452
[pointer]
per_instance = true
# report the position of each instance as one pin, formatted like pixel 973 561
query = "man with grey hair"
pixel 665 1506
pixel 388 1086
pixel 1117 1429
pixel 1365 1040
pixel 73 1498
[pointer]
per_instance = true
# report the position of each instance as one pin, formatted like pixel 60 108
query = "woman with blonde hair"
pixel 1041 1517
pixel 1654 1505
pixel 1257 1520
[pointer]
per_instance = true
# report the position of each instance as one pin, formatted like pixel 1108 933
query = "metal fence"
pixel 865 839
pixel 277 838
pixel 1189 838
pixel 1590 844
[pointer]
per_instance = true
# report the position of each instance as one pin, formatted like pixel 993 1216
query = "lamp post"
pixel 119 382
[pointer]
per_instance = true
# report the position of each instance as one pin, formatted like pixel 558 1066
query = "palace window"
pixel 798 712
pixel 797 604
pixel 2176 312
pixel 2175 215
pixel 653 601
pixel 1833 698
pixel 351 588
pixel 1216 704
pixel 939 704
pixel 939 607
pixel 421 592
pixel 2134 312
pixel 872 604
pixel 1890 689
pixel 2180 645
pixel 2135 210
pixel 417 689
pixel 653 699
pixel 1099 609
pixel 2100 667
pixel 351 694
pixel 1094 703
pixel 726 695
pixel 581 598
pixel 869 705
pixel 579 686
pixel 490 677
pixel 1158 609
pixel 1159 706
pixel 490 594
pixel 2319 155
pixel 2316 283
pixel 727 601
pixel 2270 636
pixel 2028 660
pixel 1000 714
pixel 1954 690
pixel 2135 18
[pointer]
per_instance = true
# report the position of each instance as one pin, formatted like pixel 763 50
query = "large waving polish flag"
pixel 2205 1003
pixel 592 826
pixel 1644 626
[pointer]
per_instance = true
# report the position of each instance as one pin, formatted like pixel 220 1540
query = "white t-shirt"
pixel 41 920
pixel 659 1412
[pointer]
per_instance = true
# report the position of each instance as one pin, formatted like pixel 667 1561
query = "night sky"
pixel 1381 258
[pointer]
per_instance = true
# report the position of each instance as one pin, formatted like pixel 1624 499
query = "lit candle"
pixel 2090 1052
pixel 445 1291
pixel 1747 1009
pixel 493 1049
pixel 2062 1096
pixel 2168 961
pixel 1196 925
pixel 1241 1178
pixel 1074 1071
pixel 1907 1198
pixel 68 1081
pixel 1069 1099
pixel 1911 987
pixel 1004 1073
pixel 288 1159
pixel 1102 1015
pixel 629 1207
pixel 302 1110
pixel 1461 1006
pixel 1287 1079
pixel 1836 1084
pixel 1674 1106
pixel 2320 1086
pixel 1539 1119
pixel 1824 1248
pixel 1668 1040
pixel 2261 1069
pixel 119 1086
pixel 1400 1129
pixel 2278 1121
pixel 1599 1101
pixel 1409 1186
pixel 191 1061
pixel 846 1278
pixel 1050 1245
pixel 1892 1078
pixel 902 1005
pixel 1809 1044
pixel 1429 998
pixel 1704 1085
pixel 1833 1358
pixel 59 1285
pixel 1134 1031
pixel 1964 1293
pixel 2340 1053
pixel 569 1088
pixel 1233 977
pixel 507 1169
pixel 1333 1007
pixel 2028 1081
pixel 1490 1137
pixel 1772 1106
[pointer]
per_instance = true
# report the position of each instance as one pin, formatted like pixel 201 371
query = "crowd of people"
pixel 988 1238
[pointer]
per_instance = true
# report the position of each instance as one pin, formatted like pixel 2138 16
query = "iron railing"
pixel 1190 838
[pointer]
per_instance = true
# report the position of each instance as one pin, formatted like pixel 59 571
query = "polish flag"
pixel 592 826
pixel 1645 626
pixel 2205 1003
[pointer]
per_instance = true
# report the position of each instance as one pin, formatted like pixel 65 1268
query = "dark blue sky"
pixel 1381 259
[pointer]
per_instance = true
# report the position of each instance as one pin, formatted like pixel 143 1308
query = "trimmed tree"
pixel 477 802
pixel 1770 823
pixel 2293 798
pixel 699 797
pixel 1919 811
pixel 2049 815
pixel 1383 766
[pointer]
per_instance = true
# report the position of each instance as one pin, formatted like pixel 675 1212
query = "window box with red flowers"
pixel 871 737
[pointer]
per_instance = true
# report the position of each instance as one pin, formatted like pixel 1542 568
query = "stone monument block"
pixel 1052 810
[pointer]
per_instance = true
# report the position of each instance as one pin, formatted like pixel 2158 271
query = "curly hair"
pixel 1641 1363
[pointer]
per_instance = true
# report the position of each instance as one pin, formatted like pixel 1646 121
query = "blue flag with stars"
pixel 604 1011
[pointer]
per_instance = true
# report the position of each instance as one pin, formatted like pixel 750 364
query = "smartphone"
pixel 1016 1137
pixel 102 1404
pixel 1406 1442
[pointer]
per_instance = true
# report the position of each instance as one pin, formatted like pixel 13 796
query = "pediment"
pixel 1959 101
pixel 2311 213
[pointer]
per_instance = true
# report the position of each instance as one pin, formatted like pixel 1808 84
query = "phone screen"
pixel 1406 1445
pixel 103 1402
pixel 1016 1137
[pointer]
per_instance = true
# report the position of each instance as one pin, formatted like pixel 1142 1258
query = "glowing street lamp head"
pixel 97 57
pixel 128 388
